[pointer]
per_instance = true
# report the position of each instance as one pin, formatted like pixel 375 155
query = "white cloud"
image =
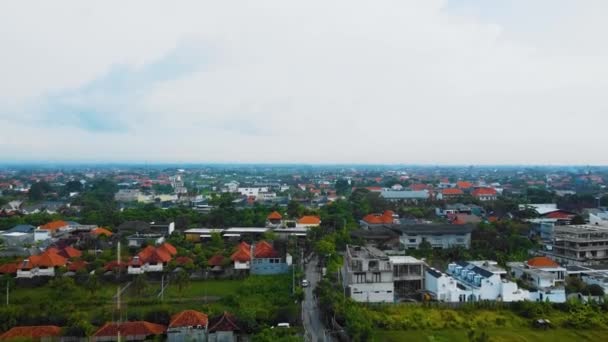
pixel 315 81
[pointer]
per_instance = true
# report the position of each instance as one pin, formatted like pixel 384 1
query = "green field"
pixel 204 288
pixel 496 335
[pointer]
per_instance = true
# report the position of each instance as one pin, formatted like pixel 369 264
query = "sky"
pixel 407 82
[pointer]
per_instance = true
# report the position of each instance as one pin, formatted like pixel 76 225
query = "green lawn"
pixel 203 288
pixel 496 335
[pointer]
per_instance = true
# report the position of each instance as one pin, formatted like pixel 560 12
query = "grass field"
pixel 198 289
pixel 496 335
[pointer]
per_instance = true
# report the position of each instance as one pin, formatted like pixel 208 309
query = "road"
pixel 315 330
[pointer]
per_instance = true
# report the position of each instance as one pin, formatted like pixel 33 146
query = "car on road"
pixel 305 283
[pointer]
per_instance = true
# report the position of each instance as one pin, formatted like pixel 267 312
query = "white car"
pixel 305 283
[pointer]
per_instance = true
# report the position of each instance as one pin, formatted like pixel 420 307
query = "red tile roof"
pixel 452 192
pixel 183 260
pixel 559 214
pixel 138 328
pixel 70 252
pixel 310 219
pixel 265 250
pixel 464 185
pixel 9 268
pixel 32 332
pixel 101 231
pixel 46 259
pixel 77 265
pixel 224 322
pixel 110 266
pixel 484 192
pixel 275 216
pixel 419 187
pixel 188 318
pixel 169 248
pixel 152 254
pixel 242 253
pixel 54 225
pixel 542 262
pixel 384 218
pixel 216 260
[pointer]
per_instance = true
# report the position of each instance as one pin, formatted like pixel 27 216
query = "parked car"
pixel 305 283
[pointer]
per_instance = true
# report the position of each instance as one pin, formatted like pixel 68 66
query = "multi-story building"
pixel 472 281
pixel 578 245
pixel 439 236
pixel 408 275
pixel 545 277
pixel 368 275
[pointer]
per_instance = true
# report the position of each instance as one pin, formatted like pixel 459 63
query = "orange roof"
pixel 151 254
pixel 169 248
pixel 216 260
pixel 265 250
pixel 183 260
pixel 31 332
pixel 452 192
pixel 188 318
pixel 540 262
pixel 101 231
pixel 70 252
pixel 77 265
pixel 139 328
pixel 241 254
pixel 9 268
pixel 464 185
pixel 484 192
pixel 418 187
pixel 54 225
pixel 46 259
pixel 385 218
pixel 274 216
pixel 310 219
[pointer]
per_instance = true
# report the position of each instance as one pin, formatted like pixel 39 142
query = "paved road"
pixel 315 330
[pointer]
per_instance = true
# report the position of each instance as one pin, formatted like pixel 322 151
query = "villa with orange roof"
pixel 188 325
pixel 387 217
pixel 129 331
pixel 544 276
pixel 308 221
pixel 152 259
pixel 32 333
pixel 43 264
pixel 485 194
pixel 260 258
pixel 274 219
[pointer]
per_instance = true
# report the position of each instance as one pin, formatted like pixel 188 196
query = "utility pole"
pixel 162 288
pixel 7 292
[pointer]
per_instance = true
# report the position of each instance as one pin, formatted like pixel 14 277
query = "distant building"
pixel 309 221
pixel 127 195
pixel 129 331
pixel 152 259
pixel 485 194
pixel 405 196
pixel 439 236
pixel 368 275
pixel 579 244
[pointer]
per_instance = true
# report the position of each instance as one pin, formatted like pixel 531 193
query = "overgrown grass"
pixel 203 288
pixel 495 335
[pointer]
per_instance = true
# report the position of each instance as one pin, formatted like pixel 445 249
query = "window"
pixel 360 277
pixel 412 240
pixel 376 277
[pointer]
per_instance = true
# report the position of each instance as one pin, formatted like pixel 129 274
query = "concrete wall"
pixel 265 267
pixel 372 292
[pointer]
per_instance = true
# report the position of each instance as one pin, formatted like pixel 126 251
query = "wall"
pixel 372 292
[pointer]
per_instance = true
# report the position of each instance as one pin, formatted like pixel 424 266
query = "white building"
pixel 544 276
pixel 471 282
pixel 367 275
pixel 252 192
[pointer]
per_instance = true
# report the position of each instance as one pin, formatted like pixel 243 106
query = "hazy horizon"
pixel 427 82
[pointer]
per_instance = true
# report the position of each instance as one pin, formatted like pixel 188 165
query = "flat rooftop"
pixel 366 252
pixel 404 259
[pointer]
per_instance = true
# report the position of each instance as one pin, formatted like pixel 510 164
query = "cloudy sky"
pixel 429 81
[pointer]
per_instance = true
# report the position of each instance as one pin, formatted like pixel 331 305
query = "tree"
pixel 92 283
pixel 342 187
pixel 72 186
pixel 578 219
pixel 38 190
pixel 140 285
pixel 294 209
pixel 182 280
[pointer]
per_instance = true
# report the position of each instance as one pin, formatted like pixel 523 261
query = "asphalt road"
pixel 315 330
